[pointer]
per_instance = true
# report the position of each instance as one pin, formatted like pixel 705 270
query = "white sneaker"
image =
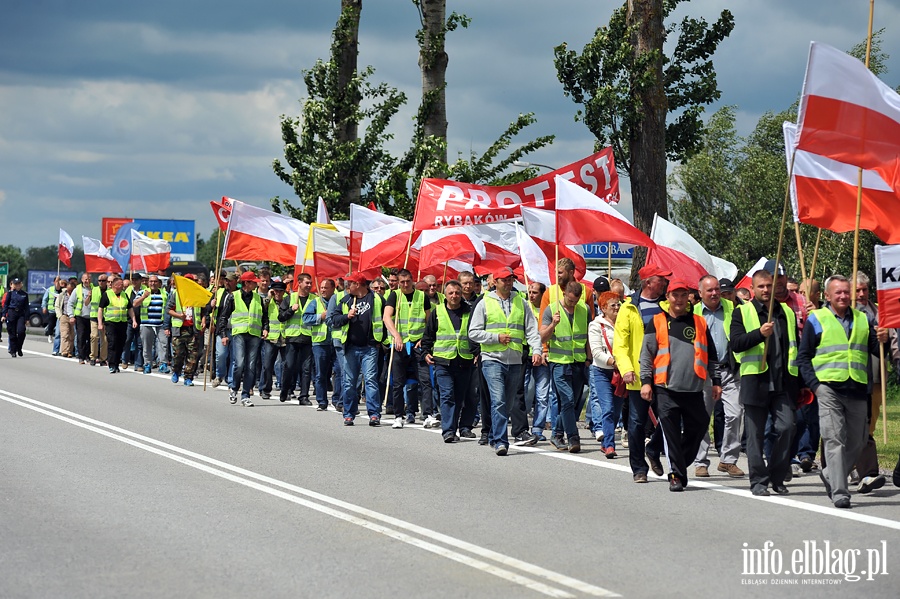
pixel 398 422
pixel 599 436
pixel 431 422
pixel 50 339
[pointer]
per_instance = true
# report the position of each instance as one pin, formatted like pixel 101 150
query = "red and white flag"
pixel 540 225
pixel 677 251
pixel 148 254
pixel 824 193
pixel 259 234
pixel 363 220
pixel 222 211
pixel 747 281
pixel 534 261
pixel 501 248
pixel 331 255
pixel 583 218
pixel 437 246
pixel 322 213
pixel 97 257
pixel 848 114
pixel 443 203
pixel 385 246
pixel 887 278
pixel 66 248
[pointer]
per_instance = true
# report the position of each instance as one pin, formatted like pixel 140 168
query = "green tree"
pixel 628 88
pixel 206 248
pixel 13 255
pixel 46 257
pixel 323 153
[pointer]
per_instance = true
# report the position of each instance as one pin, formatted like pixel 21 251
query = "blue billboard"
pixel 40 280
pixel 620 251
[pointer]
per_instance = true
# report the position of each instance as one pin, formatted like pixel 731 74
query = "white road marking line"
pixel 224 470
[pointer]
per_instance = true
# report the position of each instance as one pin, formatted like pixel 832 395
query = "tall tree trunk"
pixel 345 54
pixel 433 64
pixel 647 146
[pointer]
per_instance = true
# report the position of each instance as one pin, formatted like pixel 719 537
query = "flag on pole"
pixel 328 250
pixel 534 260
pixel 222 211
pixel 501 248
pixel 677 251
pixel 322 213
pixel 148 254
pixel 437 246
pixel 121 247
pixel 848 114
pixel 887 277
pixel 384 246
pixel 66 248
pixel 190 293
pixel 747 281
pixel 824 193
pixel 97 257
pixel 259 234
pixel 363 220
pixel 582 217
pixel 540 225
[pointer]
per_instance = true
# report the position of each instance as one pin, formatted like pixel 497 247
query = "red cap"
pixel 191 276
pixel 677 284
pixel 651 270
pixel 503 272
pixel 249 277
pixel 356 277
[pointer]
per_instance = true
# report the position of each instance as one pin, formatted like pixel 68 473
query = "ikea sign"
pixel 179 234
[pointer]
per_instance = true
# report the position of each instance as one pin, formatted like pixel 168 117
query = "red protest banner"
pixel 442 203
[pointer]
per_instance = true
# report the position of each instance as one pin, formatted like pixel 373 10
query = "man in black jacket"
pixel 15 313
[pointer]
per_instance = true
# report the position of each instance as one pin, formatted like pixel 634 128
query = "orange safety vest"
pixel 663 358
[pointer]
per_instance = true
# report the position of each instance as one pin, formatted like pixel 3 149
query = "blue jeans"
pixel 543 393
pixel 638 414
pixel 224 363
pixel 270 353
pixel 323 355
pixel 608 408
pixel 503 382
pixel 452 383
pixel 337 396
pixel 245 348
pixel 806 436
pixel 361 360
pixel 56 338
pixel 568 381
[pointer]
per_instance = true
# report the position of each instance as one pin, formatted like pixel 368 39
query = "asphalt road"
pixel 128 486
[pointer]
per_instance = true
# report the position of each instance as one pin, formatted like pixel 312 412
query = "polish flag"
pixel 437 246
pixel 331 255
pixel 848 114
pixel 501 248
pixel 887 270
pixel 747 281
pixel 259 234
pixel 824 193
pixel 363 220
pixel 385 246
pixel 540 225
pixel 66 248
pixel 97 257
pixel 222 211
pixel 677 251
pixel 454 267
pixel 582 217
pixel 534 260
pixel 148 254
pixel 322 213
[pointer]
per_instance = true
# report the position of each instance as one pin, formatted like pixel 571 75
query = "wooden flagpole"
pixel 210 337
pixel 812 267
pixel 799 249
pixel 787 199
pixel 860 184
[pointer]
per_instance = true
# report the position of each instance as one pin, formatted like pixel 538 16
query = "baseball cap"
pixel 278 286
pixel 191 276
pixel 16 280
pixel 356 277
pixel 601 284
pixel 249 277
pixel 770 266
pixel 678 284
pixel 503 272
pixel 652 270
pixel 232 276
pixel 726 285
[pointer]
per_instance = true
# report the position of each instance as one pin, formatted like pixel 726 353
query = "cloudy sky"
pixel 150 110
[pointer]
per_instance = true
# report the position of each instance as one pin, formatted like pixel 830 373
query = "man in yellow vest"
pixel 411 308
pixel 564 328
pixel 447 347
pixel 767 350
pixel 224 363
pixel 187 331
pixel 151 304
pixel 113 315
pixel 543 391
pixel 678 356
pixel 635 313
pixel 241 322
pixel 324 356
pixel 274 344
pixel 833 359
pixel 717 312
pixel 298 362
pixel 503 324
pixel 80 308
pixel 99 344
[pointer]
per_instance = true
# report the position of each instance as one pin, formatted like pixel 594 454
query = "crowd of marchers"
pixel 776 367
